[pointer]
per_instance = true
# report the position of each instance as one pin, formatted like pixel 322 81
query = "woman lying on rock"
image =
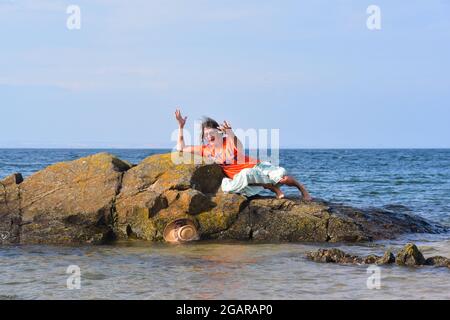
pixel 245 175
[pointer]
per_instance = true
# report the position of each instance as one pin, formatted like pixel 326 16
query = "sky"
pixel 311 69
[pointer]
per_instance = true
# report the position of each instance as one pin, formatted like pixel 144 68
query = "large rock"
pixel 159 190
pixel 71 201
pixel 351 224
pixel 101 198
pixel 269 219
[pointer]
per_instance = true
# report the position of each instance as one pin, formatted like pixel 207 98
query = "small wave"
pixel 9 297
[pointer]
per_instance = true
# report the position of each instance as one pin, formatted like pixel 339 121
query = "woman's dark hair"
pixel 207 122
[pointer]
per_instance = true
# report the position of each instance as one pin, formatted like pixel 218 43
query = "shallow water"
pixel 419 179
pixel 210 271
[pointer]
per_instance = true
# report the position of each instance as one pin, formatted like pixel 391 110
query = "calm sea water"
pixel 419 179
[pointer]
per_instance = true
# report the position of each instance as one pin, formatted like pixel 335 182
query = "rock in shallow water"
pixel 333 256
pixel 101 198
pixel 338 256
pixel 387 258
pixel 409 255
pixel 438 261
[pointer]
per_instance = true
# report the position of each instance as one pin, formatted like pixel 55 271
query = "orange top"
pixel 229 158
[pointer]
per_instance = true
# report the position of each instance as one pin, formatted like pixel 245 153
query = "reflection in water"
pixel 217 262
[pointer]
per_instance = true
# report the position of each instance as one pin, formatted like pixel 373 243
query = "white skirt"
pixel 262 173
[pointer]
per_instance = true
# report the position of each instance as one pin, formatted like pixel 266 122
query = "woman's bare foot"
pixel 305 194
pixel 280 195
pixel 290 181
pixel 278 192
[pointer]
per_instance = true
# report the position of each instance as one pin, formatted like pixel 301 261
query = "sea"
pixel 416 178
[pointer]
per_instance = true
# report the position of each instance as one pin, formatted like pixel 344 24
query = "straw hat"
pixel 181 230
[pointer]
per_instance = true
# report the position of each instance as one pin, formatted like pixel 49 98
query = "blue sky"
pixel 310 68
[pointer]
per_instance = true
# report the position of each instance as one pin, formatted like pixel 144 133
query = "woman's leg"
pixel 271 187
pixel 290 181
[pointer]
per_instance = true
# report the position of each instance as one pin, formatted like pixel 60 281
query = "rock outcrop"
pixel 409 255
pixel 338 256
pixel 102 198
pixel 66 202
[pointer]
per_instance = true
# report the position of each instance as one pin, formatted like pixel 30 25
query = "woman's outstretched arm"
pixel 181 123
pixel 181 146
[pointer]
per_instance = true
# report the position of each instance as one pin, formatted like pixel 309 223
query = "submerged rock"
pixel 409 255
pixel 101 198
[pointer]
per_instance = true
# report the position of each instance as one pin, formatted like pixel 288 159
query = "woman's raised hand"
pixel 180 119
pixel 226 126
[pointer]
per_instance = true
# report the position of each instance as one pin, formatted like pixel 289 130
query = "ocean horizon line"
pixel 282 148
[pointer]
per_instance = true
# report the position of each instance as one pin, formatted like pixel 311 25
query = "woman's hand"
pixel 225 127
pixel 180 119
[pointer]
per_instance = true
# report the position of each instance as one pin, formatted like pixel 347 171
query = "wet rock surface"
pixel 101 198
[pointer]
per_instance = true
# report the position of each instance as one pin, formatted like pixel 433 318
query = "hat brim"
pixel 170 232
